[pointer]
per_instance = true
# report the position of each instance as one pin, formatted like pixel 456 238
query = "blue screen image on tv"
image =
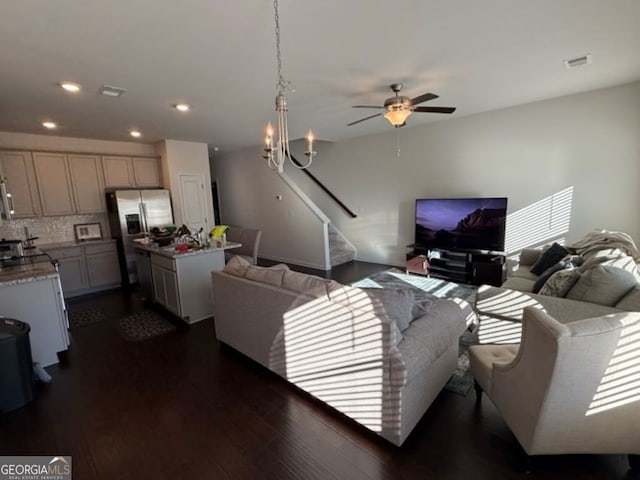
pixel 461 223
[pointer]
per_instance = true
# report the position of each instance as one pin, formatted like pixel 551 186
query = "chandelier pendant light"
pixel 277 148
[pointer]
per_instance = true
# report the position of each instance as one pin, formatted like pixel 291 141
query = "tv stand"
pixel 460 266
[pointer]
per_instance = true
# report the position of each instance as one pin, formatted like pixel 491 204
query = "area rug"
pixel 144 325
pixel 427 289
pixel 83 318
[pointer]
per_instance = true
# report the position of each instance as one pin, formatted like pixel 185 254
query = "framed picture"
pixel 88 231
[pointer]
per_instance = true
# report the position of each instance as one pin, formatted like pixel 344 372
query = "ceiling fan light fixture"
pixel 397 116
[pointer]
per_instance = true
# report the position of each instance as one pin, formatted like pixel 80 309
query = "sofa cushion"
pixel 397 303
pixel 631 301
pixel 602 284
pixel 236 266
pixel 551 256
pixel 270 275
pixel 303 283
pixel 560 283
pixel 508 304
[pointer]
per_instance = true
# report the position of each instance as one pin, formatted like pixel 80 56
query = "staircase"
pixel 340 251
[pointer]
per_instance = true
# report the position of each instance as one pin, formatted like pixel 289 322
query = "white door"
pixel 192 199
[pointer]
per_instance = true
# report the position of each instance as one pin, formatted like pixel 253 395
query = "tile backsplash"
pixel 51 229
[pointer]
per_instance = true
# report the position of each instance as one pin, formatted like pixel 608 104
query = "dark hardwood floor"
pixel 183 406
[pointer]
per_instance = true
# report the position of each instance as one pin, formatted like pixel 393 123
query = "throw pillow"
pixel 303 283
pixel 396 302
pixel 271 275
pixel 631 301
pixel 569 261
pixel 560 283
pixel 236 266
pixel 602 284
pixel 553 255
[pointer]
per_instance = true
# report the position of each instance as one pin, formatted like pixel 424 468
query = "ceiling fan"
pixel 398 108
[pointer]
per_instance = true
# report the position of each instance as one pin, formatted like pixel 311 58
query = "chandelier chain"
pixel 282 82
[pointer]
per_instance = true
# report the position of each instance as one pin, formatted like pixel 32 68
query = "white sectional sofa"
pixel 343 345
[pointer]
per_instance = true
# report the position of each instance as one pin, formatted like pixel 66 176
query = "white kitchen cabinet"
pixel 16 168
pixel 69 183
pixel 54 183
pixel 146 172
pixel 39 303
pixel 103 268
pixel 182 282
pixel 165 284
pixel 87 268
pixel 127 172
pixel 87 183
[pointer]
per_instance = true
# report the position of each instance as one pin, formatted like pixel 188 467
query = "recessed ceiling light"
pixel 70 86
pixel 135 133
pixel 49 125
pixel 111 91
pixel 183 107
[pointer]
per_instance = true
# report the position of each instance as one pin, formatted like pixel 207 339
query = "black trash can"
pixel 16 367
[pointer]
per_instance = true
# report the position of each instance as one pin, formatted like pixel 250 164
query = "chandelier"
pixel 277 149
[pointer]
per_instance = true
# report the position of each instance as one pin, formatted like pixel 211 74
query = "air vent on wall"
pixel 578 61
pixel 110 91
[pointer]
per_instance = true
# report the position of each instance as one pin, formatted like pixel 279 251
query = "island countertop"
pixel 170 251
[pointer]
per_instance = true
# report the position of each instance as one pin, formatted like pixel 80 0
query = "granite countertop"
pixel 73 243
pixel 170 251
pixel 26 273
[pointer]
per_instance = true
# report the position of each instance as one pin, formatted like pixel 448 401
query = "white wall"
pixel 589 141
pixel 179 158
pixel 249 192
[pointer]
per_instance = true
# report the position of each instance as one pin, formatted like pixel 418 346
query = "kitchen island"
pixel 180 281
pixel 31 293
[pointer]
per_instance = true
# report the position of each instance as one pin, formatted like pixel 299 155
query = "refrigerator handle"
pixel 143 217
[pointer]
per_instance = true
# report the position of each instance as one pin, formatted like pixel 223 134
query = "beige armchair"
pixel 567 388
pixel 250 240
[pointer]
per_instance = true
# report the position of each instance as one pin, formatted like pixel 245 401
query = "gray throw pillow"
pixel 397 303
pixel 550 257
pixel 602 284
pixel 568 261
pixel 303 283
pixel 271 275
pixel 560 283
pixel 631 301
pixel 236 266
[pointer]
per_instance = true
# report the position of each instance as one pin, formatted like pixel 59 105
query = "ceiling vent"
pixel 578 61
pixel 110 91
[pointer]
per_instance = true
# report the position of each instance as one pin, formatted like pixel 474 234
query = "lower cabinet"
pixel 87 268
pixel 165 283
pixel 182 283
pixel 39 303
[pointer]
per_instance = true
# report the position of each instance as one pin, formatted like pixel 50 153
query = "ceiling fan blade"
pixel 423 98
pixel 435 109
pixel 363 119
pixel 366 106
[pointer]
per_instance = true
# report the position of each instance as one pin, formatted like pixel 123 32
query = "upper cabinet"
pixel 131 172
pixel 16 168
pixel 70 183
pixel 54 183
pixel 87 183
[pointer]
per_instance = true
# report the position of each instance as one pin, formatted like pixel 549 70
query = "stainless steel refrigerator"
pixel 132 213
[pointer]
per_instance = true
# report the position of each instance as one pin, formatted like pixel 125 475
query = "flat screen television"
pixel 461 223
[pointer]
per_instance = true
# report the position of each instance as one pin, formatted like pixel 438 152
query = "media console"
pixel 458 266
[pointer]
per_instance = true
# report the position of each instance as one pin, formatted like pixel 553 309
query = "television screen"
pixel 461 223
